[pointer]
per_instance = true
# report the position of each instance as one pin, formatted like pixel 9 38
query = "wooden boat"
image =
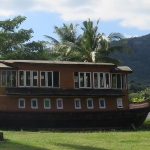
pixel 67 95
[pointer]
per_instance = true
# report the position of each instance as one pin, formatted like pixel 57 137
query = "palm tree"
pixel 90 46
pixel 64 49
pixel 98 47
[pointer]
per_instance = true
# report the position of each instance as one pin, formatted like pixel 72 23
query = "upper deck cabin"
pixel 62 79
pixel 61 74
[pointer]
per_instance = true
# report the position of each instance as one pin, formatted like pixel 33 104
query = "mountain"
pixel 139 62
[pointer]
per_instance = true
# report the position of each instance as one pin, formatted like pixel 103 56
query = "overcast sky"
pixel 129 17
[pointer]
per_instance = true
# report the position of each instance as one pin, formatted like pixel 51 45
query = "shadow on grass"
pixel 78 147
pixel 9 145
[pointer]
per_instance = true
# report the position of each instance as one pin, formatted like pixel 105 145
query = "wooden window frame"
pixel 90 99
pixel 122 82
pixel 34 99
pixel 104 80
pixel 77 99
pixel 84 80
pixel 102 107
pixel 6 78
pixel 119 103
pixel 52 79
pixel 19 100
pixel 59 107
pixel 47 99
pixel 24 79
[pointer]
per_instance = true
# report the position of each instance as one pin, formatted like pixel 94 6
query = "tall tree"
pixel 65 47
pixel 28 51
pixel 14 42
pixel 98 47
pixel 10 37
pixel 89 46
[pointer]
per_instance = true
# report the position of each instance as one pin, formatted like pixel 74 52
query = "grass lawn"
pixel 84 140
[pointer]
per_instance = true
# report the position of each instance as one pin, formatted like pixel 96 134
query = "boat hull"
pixel 74 120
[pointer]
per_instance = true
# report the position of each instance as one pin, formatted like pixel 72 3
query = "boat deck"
pixel 138 105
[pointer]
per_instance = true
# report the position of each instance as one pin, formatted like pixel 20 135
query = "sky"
pixel 129 17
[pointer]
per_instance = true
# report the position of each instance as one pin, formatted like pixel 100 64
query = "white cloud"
pixel 130 13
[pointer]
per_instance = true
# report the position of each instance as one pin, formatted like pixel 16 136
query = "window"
pixel 90 104
pixel 47 104
pixel 119 81
pixel 8 78
pixel 28 78
pixel 82 79
pixel 77 104
pixel 102 103
pixel 101 80
pixel 21 103
pixel 119 103
pixel 55 79
pixel 59 103
pixel 34 103
pixel 76 80
pixel 49 78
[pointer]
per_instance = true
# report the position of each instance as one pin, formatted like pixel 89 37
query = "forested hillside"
pixel 140 60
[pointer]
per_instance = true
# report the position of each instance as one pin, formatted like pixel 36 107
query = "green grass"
pixel 85 140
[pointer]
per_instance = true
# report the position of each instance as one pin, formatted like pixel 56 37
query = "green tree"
pixel 99 47
pixel 14 42
pixel 65 48
pixel 28 51
pixel 89 46
pixel 10 37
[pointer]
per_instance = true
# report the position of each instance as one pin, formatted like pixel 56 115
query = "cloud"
pixel 130 13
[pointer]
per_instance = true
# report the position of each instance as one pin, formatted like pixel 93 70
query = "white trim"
pixel 46 79
pixel 85 86
pixel 90 99
pixel 84 79
pixel 33 78
pixel 121 80
pixel 119 103
pixel 34 99
pixel 47 99
pixel 21 99
pixel 6 78
pixel 24 78
pixel 59 99
pixel 98 80
pixel 102 99
pixel 77 99
pixel 76 79
pixel 19 78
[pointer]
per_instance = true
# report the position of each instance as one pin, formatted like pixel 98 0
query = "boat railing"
pixel 138 105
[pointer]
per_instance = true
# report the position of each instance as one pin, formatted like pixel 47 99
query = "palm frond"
pixel 53 40
pixel 115 36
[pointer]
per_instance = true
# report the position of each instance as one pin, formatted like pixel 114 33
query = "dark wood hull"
pixel 74 120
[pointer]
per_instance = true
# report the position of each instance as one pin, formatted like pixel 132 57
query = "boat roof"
pixel 4 66
pixel 122 69
pixel 54 62
pixel 7 64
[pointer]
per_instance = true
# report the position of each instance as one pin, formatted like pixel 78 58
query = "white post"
pixel 93 56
